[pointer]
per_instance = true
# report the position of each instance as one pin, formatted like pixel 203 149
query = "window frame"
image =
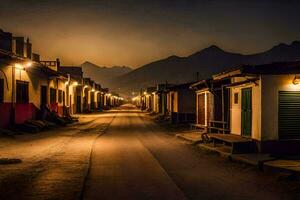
pixel 22 92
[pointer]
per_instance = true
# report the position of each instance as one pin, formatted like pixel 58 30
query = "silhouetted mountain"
pixel 207 62
pixel 103 75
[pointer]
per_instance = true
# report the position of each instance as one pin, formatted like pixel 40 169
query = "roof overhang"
pixel 228 74
pixel 252 80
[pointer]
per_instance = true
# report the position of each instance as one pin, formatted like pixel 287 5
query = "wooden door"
pixel 201 109
pixel 246 116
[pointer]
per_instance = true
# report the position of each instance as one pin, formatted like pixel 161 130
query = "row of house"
pixel 258 103
pixel 29 86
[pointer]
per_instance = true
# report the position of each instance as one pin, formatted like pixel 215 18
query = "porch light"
pixel 28 64
pixel 93 90
pixel 67 82
pixel 296 80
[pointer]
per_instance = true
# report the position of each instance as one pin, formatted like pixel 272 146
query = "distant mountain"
pixel 207 62
pixel 103 75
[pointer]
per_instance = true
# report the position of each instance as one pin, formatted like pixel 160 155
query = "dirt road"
pixel 134 159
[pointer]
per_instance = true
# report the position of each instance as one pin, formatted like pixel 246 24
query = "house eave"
pixel 230 74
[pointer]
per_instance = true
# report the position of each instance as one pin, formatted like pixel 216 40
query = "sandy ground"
pixel 54 163
pixel 134 159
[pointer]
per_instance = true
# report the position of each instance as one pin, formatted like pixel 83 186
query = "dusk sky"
pixel 135 32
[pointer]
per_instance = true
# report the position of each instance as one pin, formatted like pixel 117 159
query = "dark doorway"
pixel 92 101
pixel 43 95
pixel 172 102
pixel 78 104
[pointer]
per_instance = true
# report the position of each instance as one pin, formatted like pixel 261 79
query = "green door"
pixel 246 112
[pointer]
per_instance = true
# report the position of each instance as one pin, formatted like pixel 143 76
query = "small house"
pixel 149 98
pixel 212 100
pixel 265 105
pixel 74 98
pixel 25 84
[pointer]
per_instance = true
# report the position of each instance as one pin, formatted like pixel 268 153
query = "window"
pixel 60 96
pixel 236 98
pixel 22 92
pixel 52 95
pixel 1 90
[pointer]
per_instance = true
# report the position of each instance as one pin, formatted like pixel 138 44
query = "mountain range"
pixel 103 75
pixel 206 62
pixel 175 69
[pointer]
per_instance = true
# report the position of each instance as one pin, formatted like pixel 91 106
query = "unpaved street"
pixel 55 162
pixel 133 159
